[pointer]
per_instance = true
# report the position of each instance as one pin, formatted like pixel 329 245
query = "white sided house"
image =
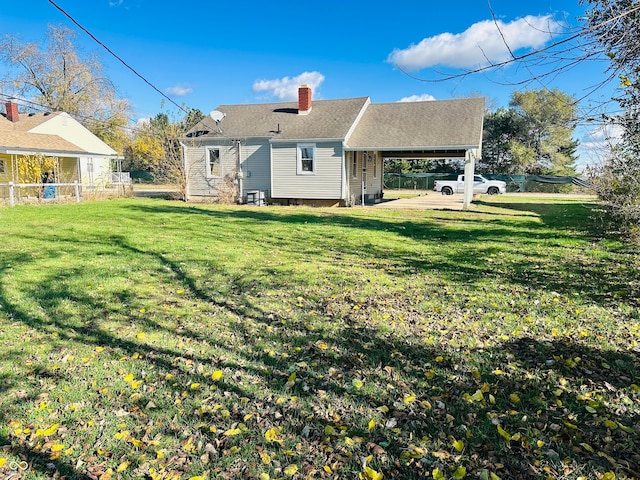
pixel 79 155
pixel 325 152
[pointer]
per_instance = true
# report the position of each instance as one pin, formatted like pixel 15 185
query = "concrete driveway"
pixel 429 201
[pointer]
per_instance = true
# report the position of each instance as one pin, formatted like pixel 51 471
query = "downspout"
pixel 240 174
pixel 364 174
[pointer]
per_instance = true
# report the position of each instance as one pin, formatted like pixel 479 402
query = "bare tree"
pixel 54 76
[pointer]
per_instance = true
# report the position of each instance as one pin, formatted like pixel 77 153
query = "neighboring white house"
pixel 327 152
pixel 79 154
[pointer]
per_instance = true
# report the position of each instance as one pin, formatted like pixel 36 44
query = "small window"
pixel 214 168
pixel 375 166
pixel 3 166
pixel 306 159
pixel 354 165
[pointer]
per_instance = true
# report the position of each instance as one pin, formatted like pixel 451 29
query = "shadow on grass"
pixel 428 389
pixel 467 241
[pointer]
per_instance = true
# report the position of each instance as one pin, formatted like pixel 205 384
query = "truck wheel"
pixel 493 190
pixel 447 191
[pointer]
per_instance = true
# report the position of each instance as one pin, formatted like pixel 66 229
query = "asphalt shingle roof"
pixel 432 124
pixel 327 119
pixel 37 141
pixel 26 121
pixel 386 126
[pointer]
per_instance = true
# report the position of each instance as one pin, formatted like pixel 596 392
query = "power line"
pixel 115 55
pixel 44 108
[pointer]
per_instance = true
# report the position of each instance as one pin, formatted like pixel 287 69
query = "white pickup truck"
pixel 480 185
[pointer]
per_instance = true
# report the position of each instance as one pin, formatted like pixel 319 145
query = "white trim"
pixel 306 140
pixel 429 148
pixel 357 120
pixel 299 169
pixel 271 169
pixel 207 150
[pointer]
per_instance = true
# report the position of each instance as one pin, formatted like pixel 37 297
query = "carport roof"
pixel 431 125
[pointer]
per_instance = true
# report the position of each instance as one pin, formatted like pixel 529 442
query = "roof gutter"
pixel 411 149
pixel 51 153
pixel 305 140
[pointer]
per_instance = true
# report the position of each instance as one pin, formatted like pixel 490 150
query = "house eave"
pixel 306 140
pixel 47 152
pixel 412 148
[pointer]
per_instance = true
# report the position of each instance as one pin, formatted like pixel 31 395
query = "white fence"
pixel 121 178
pixel 46 190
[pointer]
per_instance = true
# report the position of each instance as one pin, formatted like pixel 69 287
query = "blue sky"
pixel 204 54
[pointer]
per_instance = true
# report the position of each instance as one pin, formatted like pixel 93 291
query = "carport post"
pixel 469 172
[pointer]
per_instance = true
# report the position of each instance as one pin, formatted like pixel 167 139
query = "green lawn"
pixel 154 339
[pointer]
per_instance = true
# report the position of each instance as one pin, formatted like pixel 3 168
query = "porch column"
pixel 469 172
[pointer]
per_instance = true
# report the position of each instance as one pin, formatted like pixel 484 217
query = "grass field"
pixel 146 338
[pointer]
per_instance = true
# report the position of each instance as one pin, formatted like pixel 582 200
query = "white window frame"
pixel 208 162
pixel 314 159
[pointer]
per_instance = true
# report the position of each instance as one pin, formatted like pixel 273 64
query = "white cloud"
pixel 286 88
pixel 425 97
pixel 482 43
pixel 142 122
pixel 178 90
pixel 595 145
pixel 601 137
pixel 116 3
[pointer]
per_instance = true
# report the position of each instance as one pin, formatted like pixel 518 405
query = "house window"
pixel 3 166
pixel 375 167
pixel 306 159
pixel 214 168
pixel 354 165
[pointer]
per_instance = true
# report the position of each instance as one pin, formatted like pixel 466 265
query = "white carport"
pixel 444 129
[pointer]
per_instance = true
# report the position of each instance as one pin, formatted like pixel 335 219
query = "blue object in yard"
pixel 49 191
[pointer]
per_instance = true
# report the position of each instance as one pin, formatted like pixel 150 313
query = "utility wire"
pixel 115 55
pixel 38 106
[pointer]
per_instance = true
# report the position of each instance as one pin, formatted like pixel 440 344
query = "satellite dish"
pixel 217 115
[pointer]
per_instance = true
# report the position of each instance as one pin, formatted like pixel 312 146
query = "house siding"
pixel 355 181
pixel 254 163
pixel 95 171
pixel 199 184
pixel 73 131
pixel 325 184
pixel 5 168
pixel 373 184
pixel 256 171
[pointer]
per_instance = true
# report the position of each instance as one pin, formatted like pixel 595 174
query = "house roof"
pixel 431 125
pixel 36 141
pixel 27 121
pixel 19 136
pixel 328 119
pixel 441 124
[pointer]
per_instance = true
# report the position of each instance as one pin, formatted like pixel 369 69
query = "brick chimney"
pixel 12 111
pixel 304 100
